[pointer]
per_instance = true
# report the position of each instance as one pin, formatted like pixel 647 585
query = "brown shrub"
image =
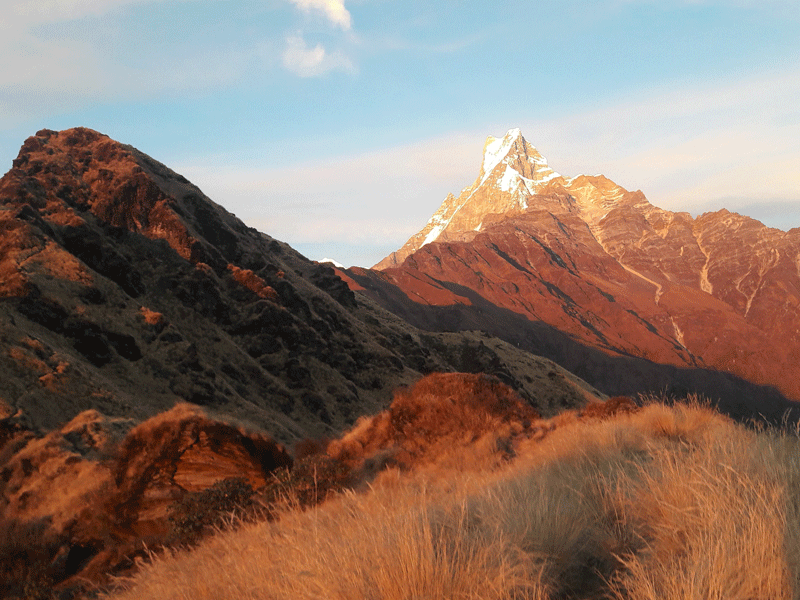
pixel 27 550
pixel 149 457
pixel 308 447
pixel 253 282
pixel 199 512
pixel 151 317
pixel 440 412
pixel 309 482
pixel 610 408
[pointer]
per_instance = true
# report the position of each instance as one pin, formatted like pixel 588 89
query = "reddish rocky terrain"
pixel 586 258
pixel 81 503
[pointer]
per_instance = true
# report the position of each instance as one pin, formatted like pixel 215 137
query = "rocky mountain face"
pixel 511 172
pixel 582 264
pixel 125 289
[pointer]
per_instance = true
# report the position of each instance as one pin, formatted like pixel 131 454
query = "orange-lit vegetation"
pixel 435 419
pixel 75 507
pixel 662 502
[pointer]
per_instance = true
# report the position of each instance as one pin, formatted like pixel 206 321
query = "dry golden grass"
pixel 670 502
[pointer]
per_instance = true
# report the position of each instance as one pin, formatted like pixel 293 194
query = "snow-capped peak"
pixel 496 149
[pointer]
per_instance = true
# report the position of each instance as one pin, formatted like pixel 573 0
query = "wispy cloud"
pixel 48 70
pixel 734 145
pixel 688 146
pixel 372 198
pixel 333 10
pixel 306 61
pixel 311 62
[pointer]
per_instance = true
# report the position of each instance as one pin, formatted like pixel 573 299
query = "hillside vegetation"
pixel 662 502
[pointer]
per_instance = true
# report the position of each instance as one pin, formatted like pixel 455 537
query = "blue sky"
pixel 339 126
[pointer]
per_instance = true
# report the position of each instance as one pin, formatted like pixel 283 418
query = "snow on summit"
pixel 509 190
pixel 497 149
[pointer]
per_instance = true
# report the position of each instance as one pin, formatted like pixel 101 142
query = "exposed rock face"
pixel 128 290
pixel 101 499
pixel 604 266
pixel 511 172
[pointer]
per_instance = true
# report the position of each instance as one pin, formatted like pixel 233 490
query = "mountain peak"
pixel 512 172
pixel 509 149
pixel 496 149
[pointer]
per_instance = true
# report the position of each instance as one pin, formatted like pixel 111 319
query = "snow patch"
pixel 678 332
pixel 510 180
pixel 549 177
pixel 496 151
pixel 705 283
pixel 336 264
pixel 434 233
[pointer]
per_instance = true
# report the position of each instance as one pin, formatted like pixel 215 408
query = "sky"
pixel 339 126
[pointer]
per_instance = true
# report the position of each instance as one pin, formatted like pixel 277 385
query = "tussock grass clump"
pixel 667 502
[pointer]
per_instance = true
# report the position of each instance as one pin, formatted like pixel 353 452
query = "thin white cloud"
pixel 374 198
pixel 695 149
pixel 334 10
pixel 45 74
pixel 688 147
pixel 304 61
pixel 32 12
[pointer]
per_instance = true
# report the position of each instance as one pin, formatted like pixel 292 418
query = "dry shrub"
pixel 441 413
pixel 151 317
pixel 198 512
pixel 609 408
pixel 713 524
pixel 310 447
pixel 148 456
pixel 253 282
pixel 309 482
pixel 27 550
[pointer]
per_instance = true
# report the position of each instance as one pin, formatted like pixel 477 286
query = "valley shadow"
pixel 615 375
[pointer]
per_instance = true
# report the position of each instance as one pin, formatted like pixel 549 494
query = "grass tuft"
pixel 667 502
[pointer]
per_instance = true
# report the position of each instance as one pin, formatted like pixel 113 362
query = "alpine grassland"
pixel 668 501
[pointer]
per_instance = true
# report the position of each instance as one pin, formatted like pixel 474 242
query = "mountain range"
pixel 597 266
